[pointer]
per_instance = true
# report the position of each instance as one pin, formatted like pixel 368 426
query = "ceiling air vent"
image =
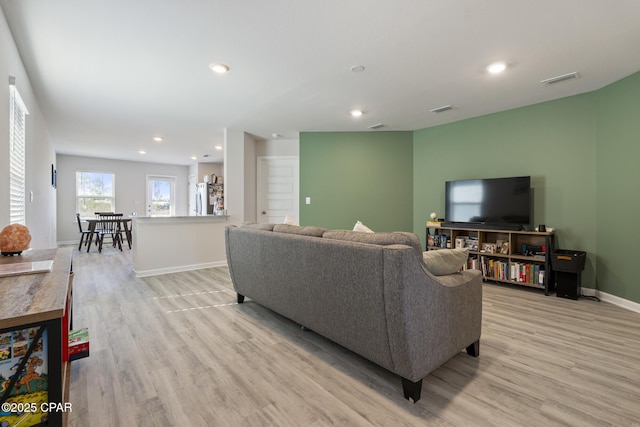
pixel 562 78
pixel 376 126
pixel 442 109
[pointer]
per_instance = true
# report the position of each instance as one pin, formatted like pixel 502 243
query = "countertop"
pixel 177 219
pixel 38 297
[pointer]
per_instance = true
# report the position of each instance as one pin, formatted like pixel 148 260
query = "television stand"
pixel 505 256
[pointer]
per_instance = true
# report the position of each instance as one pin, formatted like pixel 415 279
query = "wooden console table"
pixel 36 303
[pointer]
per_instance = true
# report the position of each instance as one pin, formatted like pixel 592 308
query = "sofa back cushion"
pixel 382 239
pixel 257 226
pixel 309 230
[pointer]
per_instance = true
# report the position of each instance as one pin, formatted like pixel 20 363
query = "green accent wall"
pixel 581 153
pixel 553 142
pixel 618 176
pixel 353 176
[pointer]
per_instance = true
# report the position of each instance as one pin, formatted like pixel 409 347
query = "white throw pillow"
pixel 445 261
pixel 288 219
pixel 361 227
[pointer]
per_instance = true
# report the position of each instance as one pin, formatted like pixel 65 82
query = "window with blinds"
pixel 17 163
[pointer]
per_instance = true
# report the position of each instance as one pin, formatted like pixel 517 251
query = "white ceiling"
pixel 111 74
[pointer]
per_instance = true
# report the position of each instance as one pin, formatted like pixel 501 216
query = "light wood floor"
pixel 175 350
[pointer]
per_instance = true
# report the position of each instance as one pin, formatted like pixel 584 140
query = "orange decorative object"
pixel 14 239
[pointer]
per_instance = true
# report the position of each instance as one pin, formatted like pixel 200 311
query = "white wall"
pixel 209 168
pixel 250 183
pixel 130 183
pixel 278 147
pixel 40 213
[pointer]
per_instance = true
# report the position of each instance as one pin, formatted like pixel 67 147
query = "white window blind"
pixel 17 163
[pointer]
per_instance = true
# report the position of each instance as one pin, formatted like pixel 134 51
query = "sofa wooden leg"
pixel 240 299
pixel 411 389
pixel 474 349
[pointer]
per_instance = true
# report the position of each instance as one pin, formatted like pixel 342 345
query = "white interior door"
pixel 278 188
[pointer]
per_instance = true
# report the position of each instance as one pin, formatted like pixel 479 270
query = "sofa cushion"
pixel 256 226
pixel 383 239
pixel 309 230
pixel 445 261
pixel 288 219
pixel 361 227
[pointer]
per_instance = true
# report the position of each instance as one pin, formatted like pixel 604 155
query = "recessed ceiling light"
pixel 357 113
pixel 157 139
pixel 194 157
pixel 142 152
pixel 218 147
pixel 497 67
pixel 275 135
pixel 357 68
pixel 219 68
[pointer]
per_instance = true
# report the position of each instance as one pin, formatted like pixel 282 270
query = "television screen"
pixel 489 201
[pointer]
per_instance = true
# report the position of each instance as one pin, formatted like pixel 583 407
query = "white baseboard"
pixel 612 299
pixel 178 269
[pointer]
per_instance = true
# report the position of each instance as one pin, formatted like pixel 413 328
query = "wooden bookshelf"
pixel 504 256
pixel 39 302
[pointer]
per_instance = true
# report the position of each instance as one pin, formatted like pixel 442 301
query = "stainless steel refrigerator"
pixel 209 199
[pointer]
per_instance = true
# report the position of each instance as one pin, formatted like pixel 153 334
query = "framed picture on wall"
pixel 53 176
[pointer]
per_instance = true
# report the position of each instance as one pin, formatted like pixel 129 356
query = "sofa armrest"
pixel 429 318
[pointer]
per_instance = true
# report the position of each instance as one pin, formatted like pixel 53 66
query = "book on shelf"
pixel 78 344
pixel 472 264
pixel 434 224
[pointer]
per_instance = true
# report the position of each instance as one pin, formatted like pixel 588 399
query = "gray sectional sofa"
pixel 368 292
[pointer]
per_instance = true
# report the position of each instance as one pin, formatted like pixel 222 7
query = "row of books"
pixel 438 241
pixel 530 274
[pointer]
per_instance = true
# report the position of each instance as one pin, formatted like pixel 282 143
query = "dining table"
pixel 123 224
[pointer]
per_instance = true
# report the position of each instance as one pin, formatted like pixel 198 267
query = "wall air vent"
pixel 376 126
pixel 562 78
pixel 442 109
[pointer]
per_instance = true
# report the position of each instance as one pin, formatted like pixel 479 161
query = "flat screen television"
pixel 496 201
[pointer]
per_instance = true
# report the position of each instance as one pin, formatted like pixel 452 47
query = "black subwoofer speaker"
pixel 568 284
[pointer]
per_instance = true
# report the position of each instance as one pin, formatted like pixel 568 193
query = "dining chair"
pixel 100 215
pixel 109 225
pixel 120 229
pixel 83 233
